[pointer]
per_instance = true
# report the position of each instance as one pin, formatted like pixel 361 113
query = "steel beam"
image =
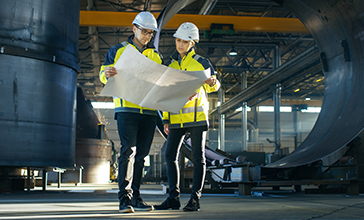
pixel 283 72
pixel 277 118
pixel 241 23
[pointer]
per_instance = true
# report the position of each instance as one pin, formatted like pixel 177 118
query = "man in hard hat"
pixel 136 124
pixel 192 118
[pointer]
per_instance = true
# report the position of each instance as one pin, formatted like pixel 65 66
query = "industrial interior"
pixel 288 113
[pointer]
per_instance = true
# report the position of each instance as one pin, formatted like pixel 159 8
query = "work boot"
pixel 169 203
pixel 139 205
pixel 192 205
pixel 125 205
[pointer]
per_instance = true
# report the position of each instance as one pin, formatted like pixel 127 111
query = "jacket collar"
pixel 190 53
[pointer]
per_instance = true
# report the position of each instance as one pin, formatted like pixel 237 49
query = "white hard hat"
pixel 146 20
pixel 187 31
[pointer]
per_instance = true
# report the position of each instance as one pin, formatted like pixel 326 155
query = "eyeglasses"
pixel 144 31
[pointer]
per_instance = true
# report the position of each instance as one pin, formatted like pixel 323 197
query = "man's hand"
pixel 110 71
pixel 211 81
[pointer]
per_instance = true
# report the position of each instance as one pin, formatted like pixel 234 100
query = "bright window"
pixel 241 108
pixel 271 109
pixel 265 108
pixel 312 110
pixel 103 105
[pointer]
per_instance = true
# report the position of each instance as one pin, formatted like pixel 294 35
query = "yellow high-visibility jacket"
pixel 112 56
pixel 195 112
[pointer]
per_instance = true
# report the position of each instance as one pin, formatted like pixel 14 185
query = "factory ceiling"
pixel 264 34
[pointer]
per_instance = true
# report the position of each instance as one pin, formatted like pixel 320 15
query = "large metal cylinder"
pixel 38 60
pixel 95 156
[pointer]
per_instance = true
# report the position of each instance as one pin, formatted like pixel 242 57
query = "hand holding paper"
pixel 152 85
pixel 110 71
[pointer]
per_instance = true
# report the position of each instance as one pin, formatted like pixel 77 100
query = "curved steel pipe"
pixel 338 28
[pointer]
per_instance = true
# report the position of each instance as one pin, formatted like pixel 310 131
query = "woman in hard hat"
pixel 191 118
pixel 136 124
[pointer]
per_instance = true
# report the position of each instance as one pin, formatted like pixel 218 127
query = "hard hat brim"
pixel 150 28
pixel 184 38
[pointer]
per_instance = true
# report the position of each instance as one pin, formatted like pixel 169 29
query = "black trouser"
pixel 136 132
pixel 173 146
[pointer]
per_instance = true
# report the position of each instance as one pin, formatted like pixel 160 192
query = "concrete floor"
pixel 90 201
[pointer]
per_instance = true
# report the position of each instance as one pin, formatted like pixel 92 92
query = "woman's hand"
pixel 166 128
pixel 211 81
pixel 110 71
pixel 192 97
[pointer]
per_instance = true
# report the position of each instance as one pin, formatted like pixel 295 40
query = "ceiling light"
pixel 307 98
pixel 233 52
pixel 296 90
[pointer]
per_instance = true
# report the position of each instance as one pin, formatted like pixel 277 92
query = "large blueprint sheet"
pixel 142 81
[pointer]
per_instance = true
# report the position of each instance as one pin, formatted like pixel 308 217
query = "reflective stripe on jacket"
pixel 112 56
pixel 195 112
